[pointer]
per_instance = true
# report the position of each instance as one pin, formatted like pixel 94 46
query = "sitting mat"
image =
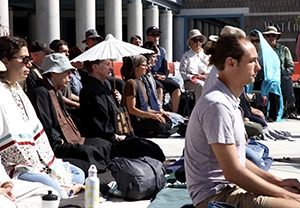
pixel 171 197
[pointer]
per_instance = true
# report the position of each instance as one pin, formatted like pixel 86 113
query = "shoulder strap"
pixel 68 128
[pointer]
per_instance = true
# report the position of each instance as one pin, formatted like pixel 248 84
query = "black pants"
pixel 147 127
pixel 95 151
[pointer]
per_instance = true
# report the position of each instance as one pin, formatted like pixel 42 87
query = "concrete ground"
pixel 283 168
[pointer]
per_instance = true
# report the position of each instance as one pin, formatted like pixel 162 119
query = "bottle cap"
pixel 50 197
pixel 92 170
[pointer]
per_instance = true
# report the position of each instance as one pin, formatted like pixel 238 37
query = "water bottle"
pixel 92 184
pixel 50 200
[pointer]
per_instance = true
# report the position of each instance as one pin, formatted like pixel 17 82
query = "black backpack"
pixel 137 179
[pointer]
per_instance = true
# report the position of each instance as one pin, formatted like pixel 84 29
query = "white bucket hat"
pixel 195 33
pixel 228 30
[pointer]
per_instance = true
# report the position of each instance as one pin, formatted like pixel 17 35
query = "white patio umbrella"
pixel 110 48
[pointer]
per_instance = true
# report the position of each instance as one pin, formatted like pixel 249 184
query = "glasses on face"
pixel 255 41
pixel 270 35
pixel 25 59
pixel 196 40
pixel 155 35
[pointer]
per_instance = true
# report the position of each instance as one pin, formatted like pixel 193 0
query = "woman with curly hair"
pixel 24 147
pixel 146 118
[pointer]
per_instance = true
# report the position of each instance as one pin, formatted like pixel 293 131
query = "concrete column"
pixel 217 30
pixel 151 16
pixel 199 25
pixel 179 41
pixel 205 29
pixel 11 20
pixel 32 29
pixel 190 24
pixel 211 29
pixel 48 20
pixel 4 16
pixel 85 18
pixel 113 18
pixel 166 39
pixel 134 18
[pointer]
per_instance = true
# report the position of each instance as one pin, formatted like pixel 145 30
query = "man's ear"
pixel 230 62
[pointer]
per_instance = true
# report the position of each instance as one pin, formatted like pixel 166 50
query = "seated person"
pixel 216 133
pixel 71 100
pixel 99 105
pixel 146 117
pixel 18 193
pixel 25 150
pixel 160 71
pixel 194 63
pixel 64 137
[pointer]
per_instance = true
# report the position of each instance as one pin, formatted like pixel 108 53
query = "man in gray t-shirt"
pixel 215 163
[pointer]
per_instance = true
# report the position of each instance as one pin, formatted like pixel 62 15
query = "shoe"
pixel 293 113
pixel 270 120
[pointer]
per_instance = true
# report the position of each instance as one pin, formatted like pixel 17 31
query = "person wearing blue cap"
pixel 64 137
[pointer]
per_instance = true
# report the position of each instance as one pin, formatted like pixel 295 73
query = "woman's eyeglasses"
pixel 270 35
pixel 25 59
pixel 196 40
pixel 255 41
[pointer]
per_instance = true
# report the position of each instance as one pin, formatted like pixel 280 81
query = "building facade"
pixel 69 19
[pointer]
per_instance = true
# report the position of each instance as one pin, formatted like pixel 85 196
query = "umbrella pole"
pixel 113 74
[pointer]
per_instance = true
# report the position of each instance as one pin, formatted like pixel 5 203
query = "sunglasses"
pixel 269 35
pixel 255 41
pixel 196 40
pixel 155 35
pixel 25 59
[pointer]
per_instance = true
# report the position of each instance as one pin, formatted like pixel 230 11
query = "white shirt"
pixel 193 63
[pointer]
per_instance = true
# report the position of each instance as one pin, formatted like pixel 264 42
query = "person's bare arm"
pixel 248 178
pixel 130 104
pixel 75 97
pixel 70 103
pixel 257 112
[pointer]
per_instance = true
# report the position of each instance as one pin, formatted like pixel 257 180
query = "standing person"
pixel 268 79
pixel 194 63
pixel 38 50
pixel 287 67
pixel 216 133
pixel 136 40
pixel 24 147
pixel 65 139
pixel 92 39
pixel 160 70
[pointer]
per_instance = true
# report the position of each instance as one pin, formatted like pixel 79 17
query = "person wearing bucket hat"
pixel 91 38
pixel 64 137
pixel 194 63
pixel 287 68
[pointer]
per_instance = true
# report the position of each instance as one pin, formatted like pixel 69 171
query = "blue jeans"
pixel 77 177
pixel 253 156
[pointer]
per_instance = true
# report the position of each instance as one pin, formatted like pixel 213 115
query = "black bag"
pixel 139 178
pixel 122 120
pixel 134 147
